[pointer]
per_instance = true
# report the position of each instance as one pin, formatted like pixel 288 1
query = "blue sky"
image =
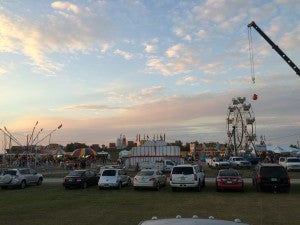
pixel 105 68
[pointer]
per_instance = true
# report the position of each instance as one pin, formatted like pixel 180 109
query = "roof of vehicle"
pixel 190 221
pixel 184 165
pixel 269 165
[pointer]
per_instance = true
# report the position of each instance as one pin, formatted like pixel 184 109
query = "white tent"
pixel 281 149
pixel 123 154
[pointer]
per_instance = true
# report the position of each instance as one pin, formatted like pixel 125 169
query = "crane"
pixel 275 47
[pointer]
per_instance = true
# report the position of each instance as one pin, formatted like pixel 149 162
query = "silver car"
pixel 113 178
pixel 149 178
pixel 20 177
pixel 190 221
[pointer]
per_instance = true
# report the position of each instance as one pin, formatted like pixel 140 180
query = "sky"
pixel 125 67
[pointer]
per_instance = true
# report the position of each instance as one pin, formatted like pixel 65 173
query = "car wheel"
pixel 129 181
pixel 174 189
pixel 157 186
pixel 120 185
pixel 203 183
pixel 4 187
pixel 39 182
pixel 84 185
pixel 257 187
pixel 23 184
pixel 198 188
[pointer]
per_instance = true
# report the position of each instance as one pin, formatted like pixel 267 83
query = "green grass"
pixel 52 204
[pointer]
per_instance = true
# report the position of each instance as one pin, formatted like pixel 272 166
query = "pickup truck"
pixel 290 163
pixel 218 163
pixel 239 162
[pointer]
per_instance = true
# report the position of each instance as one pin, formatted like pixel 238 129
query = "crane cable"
pixel 251 55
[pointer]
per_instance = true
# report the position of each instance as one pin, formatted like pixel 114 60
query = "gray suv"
pixel 20 177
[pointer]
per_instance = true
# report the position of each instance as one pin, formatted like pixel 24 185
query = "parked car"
pixel 80 179
pixel 239 162
pixel 229 179
pixel 20 177
pixel 290 163
pixel 187 176
pixel 219 163
pixel 113 177
pixel 149 178
pixel 271 176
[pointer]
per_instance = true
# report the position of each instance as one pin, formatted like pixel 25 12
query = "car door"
pixel 26 174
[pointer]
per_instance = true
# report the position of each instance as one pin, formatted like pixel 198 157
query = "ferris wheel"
pixel 241 126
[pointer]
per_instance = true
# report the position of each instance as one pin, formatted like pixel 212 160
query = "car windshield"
pixel 271 171
pixel 228 173
pixel 183 170
pixel 109 173
pixel 10 172
pixel 293 160
pixel 76 173
pixel 239 159
pixel 146 173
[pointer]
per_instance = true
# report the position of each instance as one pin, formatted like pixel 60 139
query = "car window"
pixel 169 163
pixel 228 173
pixel 145 173
pixel 271 171
pixel 76 173
pixel 109 173
pixel 10 172
pixel 293 160
pixel 25 171
pixel 183 170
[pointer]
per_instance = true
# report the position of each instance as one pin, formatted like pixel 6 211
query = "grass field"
pixel 52 204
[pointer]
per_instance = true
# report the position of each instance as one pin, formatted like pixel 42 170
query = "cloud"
pixel 2 71
pixel 68 30
pixel 125 55
pixel 88 107
pixel 65 6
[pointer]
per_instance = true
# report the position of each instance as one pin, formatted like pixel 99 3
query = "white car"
pixel 20 177
pixel 239 162
pixel 113 178
pixel 190 221
pixel 290 163
pixel 187 176
pixel 149 178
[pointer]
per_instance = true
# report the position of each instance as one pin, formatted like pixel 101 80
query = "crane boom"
pixel 275 47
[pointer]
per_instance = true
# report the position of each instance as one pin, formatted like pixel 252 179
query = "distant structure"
pixel 155 137
pixel 121 142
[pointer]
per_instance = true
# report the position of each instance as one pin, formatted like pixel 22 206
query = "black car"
pixel 81 179
pixel 271 177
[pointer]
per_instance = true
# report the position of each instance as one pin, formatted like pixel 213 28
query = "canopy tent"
pixel 278 149
pixel 84 152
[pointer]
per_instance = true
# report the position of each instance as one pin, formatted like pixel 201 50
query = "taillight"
pixel 289 180
pixel 171 178
pixel 259 179
pixel 195 177
pixel 219 179
pixel 78 179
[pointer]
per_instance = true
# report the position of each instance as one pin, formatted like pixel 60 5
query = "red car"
pixel 229 179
